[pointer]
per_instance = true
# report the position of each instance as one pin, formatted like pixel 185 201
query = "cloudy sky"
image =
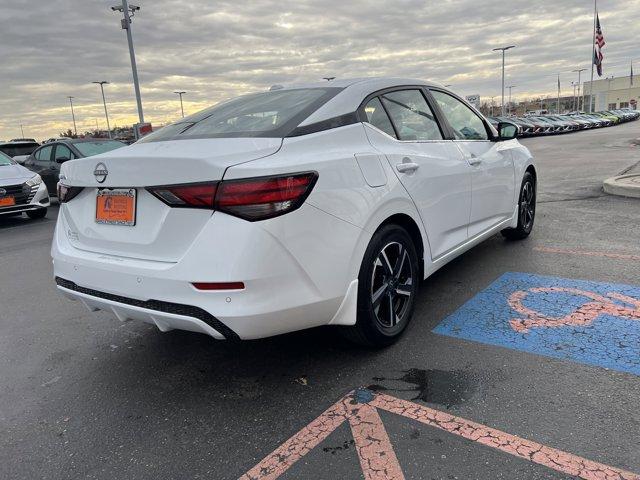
pixel 50 49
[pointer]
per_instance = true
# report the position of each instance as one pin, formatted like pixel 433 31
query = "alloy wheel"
pixel 527 205
pixel 391 285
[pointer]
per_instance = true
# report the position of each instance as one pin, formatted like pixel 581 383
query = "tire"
pixel 390 274
pixel 526 210
pixel 35 214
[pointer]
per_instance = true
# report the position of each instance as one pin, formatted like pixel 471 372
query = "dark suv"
pixel 47 159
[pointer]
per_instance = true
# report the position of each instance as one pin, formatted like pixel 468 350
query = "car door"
pixel 61 154
pixel 493 173
pixel 40 160
pixel 432 169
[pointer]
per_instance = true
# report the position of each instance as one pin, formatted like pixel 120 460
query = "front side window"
pixel 466 124
pixel 377 117
pixel 411 115
pixel 63 153
pixel 44 154
pixel 268 114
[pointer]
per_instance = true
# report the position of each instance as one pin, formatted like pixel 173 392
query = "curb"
pixel 623 185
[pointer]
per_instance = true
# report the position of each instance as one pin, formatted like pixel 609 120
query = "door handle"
pixel 473 160
pixel 407 166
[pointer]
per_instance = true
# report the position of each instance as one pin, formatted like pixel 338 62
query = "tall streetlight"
pixel 580 70
pixel 73 115
pixel 104 102
pixel 128 11
pixel 509 104
pixel 503 49
pixel 181 107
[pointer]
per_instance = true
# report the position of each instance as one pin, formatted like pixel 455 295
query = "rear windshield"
pixel 18 148
pixel 89 149
pixel 267 114
pixel 5 159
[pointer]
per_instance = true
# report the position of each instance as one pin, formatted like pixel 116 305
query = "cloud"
pixel 215 50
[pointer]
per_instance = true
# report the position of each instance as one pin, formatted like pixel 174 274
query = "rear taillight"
pixel 67 193
pixel 250 199
pixel 193 195
pixel 264 197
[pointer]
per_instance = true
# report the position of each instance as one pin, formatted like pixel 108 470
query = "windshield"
pixel 88 149
pixel 5 160
pixel 267 114
pixel 18 149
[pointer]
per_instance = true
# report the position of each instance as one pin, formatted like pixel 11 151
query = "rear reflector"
pixel 264 197
pixel 219 286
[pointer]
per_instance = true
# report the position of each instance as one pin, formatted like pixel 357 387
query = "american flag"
pixel 597 51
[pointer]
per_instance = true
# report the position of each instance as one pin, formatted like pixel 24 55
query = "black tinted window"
pixel 377 117
pixel 411 115
pixel 267 114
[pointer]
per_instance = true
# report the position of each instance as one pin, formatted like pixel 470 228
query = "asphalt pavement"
pixel 85 396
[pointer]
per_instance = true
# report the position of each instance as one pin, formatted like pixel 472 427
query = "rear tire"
pixel 387 287
pixel 526 210
pixel 35 214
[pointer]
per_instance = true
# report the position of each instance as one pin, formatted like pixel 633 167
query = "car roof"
pixel 354 91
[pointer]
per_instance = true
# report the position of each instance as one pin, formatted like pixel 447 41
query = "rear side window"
pixel 267 114
pixel 466 124
pixel 377 117
pixel 18 149
pixel 411 115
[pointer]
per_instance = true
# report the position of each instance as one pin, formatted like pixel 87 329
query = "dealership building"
pixel 612 93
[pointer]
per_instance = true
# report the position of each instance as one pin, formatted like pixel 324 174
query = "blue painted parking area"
pixel 588 322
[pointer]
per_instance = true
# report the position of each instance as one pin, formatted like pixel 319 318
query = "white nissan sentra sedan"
pixel 309 205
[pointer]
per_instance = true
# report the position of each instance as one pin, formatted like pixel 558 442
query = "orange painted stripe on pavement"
pixel 505 442
pixel 617 256
pixel 378 459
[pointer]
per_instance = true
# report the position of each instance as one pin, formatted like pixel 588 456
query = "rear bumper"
pixel 294 277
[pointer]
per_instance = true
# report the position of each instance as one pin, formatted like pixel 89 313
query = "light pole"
pixel 509 104
pixel 73 116
pixel 22 130
pixel 128 11
pixel 104 102
pixel 491 108
pixel 503 49
pixel 181 108
pixel 579 72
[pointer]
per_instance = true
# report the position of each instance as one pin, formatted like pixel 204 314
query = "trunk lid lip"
pixel 228 152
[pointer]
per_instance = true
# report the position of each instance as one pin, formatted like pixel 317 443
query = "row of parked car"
pixel 29 172
pixel 530 126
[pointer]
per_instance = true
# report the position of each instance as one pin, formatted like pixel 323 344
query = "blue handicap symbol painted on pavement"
pixel 588 322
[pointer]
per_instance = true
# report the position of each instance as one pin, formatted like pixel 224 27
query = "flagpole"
pixel 593 54
pixel 558 107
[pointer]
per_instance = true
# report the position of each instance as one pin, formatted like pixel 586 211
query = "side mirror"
pixel 507 131
pixel 62 159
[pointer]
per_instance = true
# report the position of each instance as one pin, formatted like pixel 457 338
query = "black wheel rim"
pixel 527 205
pixel 392 286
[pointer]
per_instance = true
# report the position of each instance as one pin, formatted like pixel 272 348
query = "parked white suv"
pixel 321 204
